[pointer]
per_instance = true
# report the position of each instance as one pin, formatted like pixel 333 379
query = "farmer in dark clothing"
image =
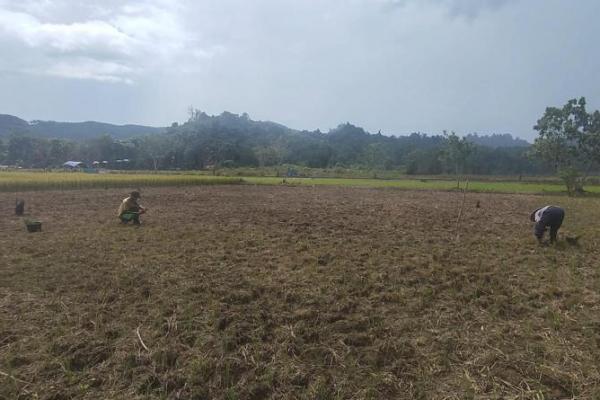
pixel 547 217
pixel 130 209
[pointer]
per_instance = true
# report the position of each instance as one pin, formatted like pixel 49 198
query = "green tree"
pixel 20 150
pixel 424 162
pixel 268 155
pixel 569 140
pixel 59 151
pixel 2 151
pixel 456 153
pixel 377 156
pixel 154 148
pixel 99 148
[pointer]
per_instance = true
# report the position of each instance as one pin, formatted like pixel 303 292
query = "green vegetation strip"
pixel 424 184
pixel 24 181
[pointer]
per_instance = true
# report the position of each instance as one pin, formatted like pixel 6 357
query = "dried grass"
pixel 296 293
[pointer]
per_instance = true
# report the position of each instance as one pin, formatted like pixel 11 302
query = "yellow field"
pixel 22 181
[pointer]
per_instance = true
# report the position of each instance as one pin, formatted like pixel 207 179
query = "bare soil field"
pixel 257 292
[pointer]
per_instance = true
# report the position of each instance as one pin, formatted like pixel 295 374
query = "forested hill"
pixel 236 140
pixel 268 130
pixel 10 124
pixel 71 130
pixel 224 140
pixel 497 140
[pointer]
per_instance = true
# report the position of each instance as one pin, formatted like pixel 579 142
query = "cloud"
pixel 90 69
pixel 107 41
pixel 455 8
pixel 91 36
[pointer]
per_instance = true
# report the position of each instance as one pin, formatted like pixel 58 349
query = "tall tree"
pixel 456 153
pixel 20 150
pixel 377 156
pixel 59 151
pixel 2 151
pixel 153 148
pixel 569 140
pixel 268 155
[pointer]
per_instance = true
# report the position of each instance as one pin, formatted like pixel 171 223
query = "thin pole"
pixel 460 211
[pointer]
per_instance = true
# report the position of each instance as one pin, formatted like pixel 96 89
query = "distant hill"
pixel 497 140
pixel 71 130
pixel 232 140
pixel 9 123
pixel 265 130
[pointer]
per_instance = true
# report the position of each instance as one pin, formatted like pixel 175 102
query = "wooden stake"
pixel 460 211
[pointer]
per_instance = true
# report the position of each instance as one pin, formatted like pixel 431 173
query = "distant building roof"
pixel 73 164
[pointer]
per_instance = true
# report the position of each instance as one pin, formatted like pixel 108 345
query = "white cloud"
pixel 107 42
pixel 91 36
pixel 103 71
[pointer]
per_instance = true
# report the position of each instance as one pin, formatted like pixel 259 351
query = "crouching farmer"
pixel 130 209
pixel 547 217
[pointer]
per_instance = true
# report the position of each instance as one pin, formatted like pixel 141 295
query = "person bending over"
pixel 130 209
pixel 547 217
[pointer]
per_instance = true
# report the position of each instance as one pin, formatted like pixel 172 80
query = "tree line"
pixel 568 144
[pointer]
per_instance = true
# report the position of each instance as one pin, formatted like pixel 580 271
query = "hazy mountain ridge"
pixel 10 123
pixel 226 120
pixel 71 130
pixel 229 140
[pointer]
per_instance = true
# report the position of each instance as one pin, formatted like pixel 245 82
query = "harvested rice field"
pixel 284 292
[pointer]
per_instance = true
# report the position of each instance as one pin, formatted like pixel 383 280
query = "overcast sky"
pixel 399 66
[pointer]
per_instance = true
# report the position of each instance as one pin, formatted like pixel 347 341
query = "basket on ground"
pixel 34 226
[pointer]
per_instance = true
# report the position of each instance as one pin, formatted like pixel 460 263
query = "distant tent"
pixel 74 164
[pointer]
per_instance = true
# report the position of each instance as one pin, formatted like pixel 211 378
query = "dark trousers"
pixel 551 218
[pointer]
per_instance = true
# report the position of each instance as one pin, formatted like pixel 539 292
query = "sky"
pixel 395 66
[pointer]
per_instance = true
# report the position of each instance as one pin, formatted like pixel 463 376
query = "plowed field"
pixel 245 292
